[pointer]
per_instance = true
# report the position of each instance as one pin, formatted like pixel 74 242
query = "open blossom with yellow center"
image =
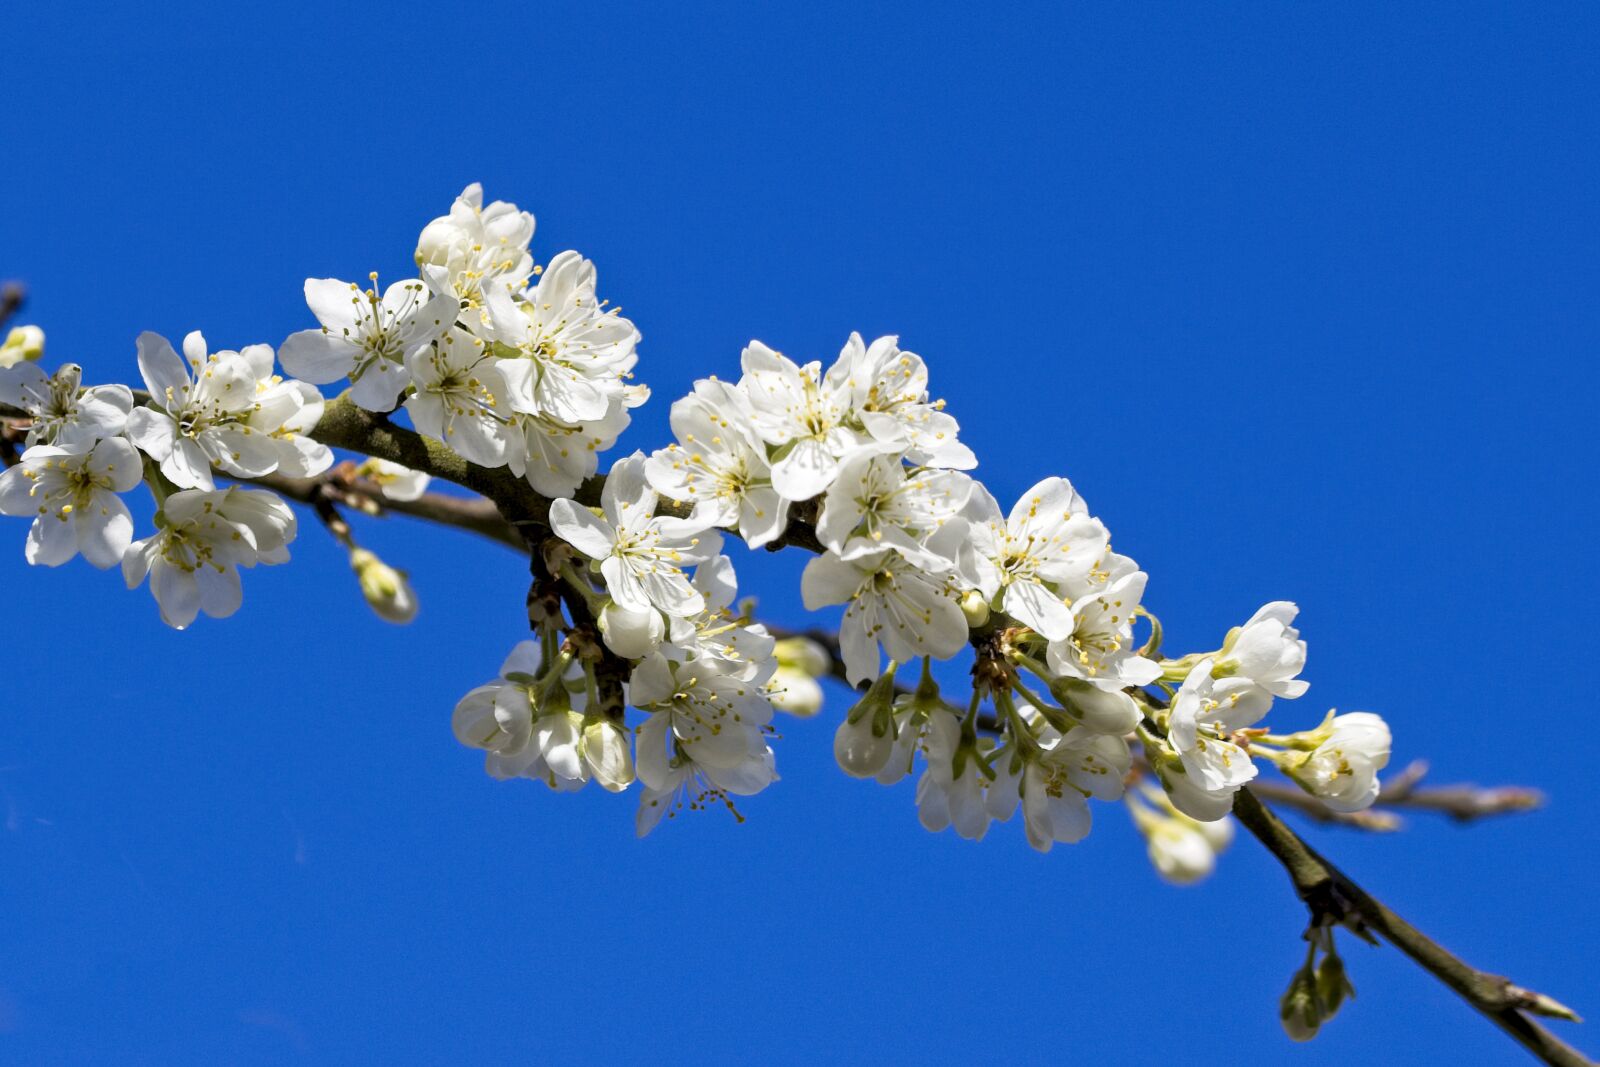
pixel 367 337
pixel 720 464
pixel 61 410
pixel 73 498
pixel 204 537
pixel 223 409
pixel 1048 542
pixel 641 555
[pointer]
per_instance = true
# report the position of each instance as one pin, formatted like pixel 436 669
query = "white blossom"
pixel 459 398
pixel 1268 651
pixel 475 246
pixel 891 602
pixel 226 409
pixel 1053 777
pixel 1100 647
pixel 72 497
pixel 63 412
pixel 366 337
pixel 397 482
pixel 889 393
pixel 720 464
pixel 203 537
pixel 1048 542
pixel 1343 769
pixel 951 789
pixel 554 457
pixel 875 503
pixel 562 354
pixel 533 725
pixel 1205 714
pixel 640 554
pixel 804 415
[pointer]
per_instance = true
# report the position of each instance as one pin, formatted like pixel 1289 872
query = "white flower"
pixel 804 415
pixel 204 537
pixel 1100 649
pixel 794 687
pixel 460 398
pixel 365 337
pixel 890 397
pixel 62 412
pixel 1182 850
pixel 875 503
pixel 703 725
pixel 1268 651
pixel 73 499
pixel 720 464
pixel 685 781
pixel 227 409
pixel 556 458
pixel 1205 714
pixel 1047 543
pixel 564 355
pixel 387 591
pixel 737 647
pixel 640 554
pixel 1055 780
pixel 473 246
pixel 396 481
pixel 535 727
pixel 1343 769
pixel 892 602
pixel 950 791
pixel 22 343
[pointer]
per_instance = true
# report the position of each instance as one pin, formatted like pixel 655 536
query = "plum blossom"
pixel 459 398
pixel 203 537
pixel 474 246
pixel 875 503
pixel 367 337
pixel 1047 542
pixel 640 554
pixel 225 409
pixel 1343 768
pixel 73 498
pixel 804 415
pixel 61 411
pixel 889 394
pixel 720 464
pixel 891 602
pixel 1205 714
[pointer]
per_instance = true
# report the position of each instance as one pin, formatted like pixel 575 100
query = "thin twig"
pixel 12 296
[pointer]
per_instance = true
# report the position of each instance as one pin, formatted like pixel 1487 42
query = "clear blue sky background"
pixel 1303 301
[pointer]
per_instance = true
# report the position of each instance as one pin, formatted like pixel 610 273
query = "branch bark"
pixel 1329 893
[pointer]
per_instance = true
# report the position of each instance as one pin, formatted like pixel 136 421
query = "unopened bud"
pixel 865 740
pixel 1333 985
pixel 22 343
pixel 1101 711
pixel 804 655
pixel 974 607
pixel 629 632
pixel 387 590
pixel 1300 1011
pixel 795 691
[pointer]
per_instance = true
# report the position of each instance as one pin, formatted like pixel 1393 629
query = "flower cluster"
pixel 507 364
pixel 534 377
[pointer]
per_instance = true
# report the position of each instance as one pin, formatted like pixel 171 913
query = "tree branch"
pixel 1330 894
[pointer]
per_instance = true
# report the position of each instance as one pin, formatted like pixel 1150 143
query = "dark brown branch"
pixel 1332 895
pixel 12 296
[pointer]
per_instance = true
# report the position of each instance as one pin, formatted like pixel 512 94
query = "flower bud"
pixel 387 590
pixel 1343 768
pixel 1300 1011
pixel 1103 712
pixel 629 632
pixel 397 482
pixel 804 655
pixel 794 691
pixel 865 740
pixel 22 343
pixel 974 607
pixel 607 754
pixel 1333 985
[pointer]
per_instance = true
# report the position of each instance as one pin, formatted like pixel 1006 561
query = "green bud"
pixel 22 343
pixel 1333 985
pixel 387 591
pixel 1301 1010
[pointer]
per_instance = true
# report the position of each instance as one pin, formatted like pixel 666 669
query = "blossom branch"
pixel 1332 896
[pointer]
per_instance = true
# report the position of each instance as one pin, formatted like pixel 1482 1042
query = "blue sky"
pixel 1302 300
